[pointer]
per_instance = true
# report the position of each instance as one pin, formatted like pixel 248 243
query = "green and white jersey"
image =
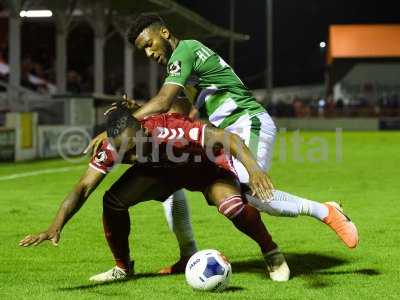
pixel 210 83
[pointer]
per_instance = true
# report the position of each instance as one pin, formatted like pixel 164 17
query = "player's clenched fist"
pixel 36 239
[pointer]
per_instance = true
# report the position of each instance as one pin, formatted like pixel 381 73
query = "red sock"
pixel 117 227
pixel 249 222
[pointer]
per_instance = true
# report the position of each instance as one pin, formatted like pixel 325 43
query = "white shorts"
pixel 258 132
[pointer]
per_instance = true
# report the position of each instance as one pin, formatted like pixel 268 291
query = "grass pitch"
pixel 362 170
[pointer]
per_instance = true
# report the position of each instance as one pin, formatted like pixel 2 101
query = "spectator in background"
pixel 26 69
pixel 301 110
pixel 367 102
pixel 37 70
pixel 73 82
pixel 114 84
pixel 368 92
pixel 4 47
pixel 330 107
pixel 3 70
pixel 3 67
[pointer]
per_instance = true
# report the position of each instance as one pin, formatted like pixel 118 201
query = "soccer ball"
pixel 208 270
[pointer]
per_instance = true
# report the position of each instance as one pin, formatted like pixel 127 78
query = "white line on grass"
pixel 34 173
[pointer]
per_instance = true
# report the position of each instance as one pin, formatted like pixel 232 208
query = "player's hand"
pixel 95 143
pixel 36 239
pixel 126 102
pixel 261 186
pixel 194 113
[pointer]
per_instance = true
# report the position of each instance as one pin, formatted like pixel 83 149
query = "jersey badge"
pixel 100 157
pixel 174 69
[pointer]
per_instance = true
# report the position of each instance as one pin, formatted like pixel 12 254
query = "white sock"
pixel 177 214
pixel 288 205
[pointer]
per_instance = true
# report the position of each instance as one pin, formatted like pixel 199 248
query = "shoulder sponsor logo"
pixel 171 133
pixel 177 134
pixel 162 132
pixel 174 69
pixel 100 157
pixel 204 53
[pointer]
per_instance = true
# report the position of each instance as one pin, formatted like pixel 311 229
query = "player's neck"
pixel 173 42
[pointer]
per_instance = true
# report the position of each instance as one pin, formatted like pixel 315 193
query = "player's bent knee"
pixel 231 207
pixel 110 201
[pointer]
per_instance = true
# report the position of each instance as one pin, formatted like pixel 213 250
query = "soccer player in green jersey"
pixel 220 96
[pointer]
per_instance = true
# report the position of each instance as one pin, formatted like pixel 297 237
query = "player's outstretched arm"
pixel 161 103
pixel 71 204
pixel 259 181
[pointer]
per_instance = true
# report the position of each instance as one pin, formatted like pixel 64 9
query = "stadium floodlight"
pixel 36 13
pixel 322 45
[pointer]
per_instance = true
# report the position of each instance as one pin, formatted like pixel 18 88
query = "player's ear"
pixel 165 32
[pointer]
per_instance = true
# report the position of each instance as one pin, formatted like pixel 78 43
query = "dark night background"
pixel 299 27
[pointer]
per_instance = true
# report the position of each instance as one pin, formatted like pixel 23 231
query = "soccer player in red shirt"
pixel 148 180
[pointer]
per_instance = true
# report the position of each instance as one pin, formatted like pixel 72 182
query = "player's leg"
pixel 287 205
pixel 226 195
pixel 136 185
pixel 261 142
pixel 176 210
pixel 259 133
pixel 177 213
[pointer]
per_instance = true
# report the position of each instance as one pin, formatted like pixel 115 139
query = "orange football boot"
pixel 341 224
pixel 176 268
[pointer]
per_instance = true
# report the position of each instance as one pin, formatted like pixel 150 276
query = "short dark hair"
pixel 140 23
pixel 120 119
